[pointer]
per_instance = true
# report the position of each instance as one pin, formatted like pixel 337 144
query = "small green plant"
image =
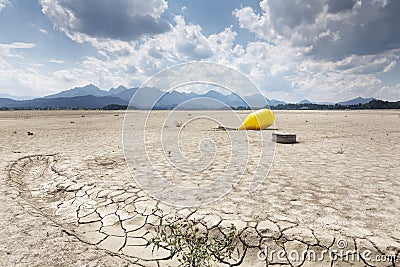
pixel 191 242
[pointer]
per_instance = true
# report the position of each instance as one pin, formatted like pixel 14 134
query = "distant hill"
pixel 5 102
pixel 115 91
pixel 84 102
pixel 92 97
pixel 146 97
pixel 356 101
pixel 373 104
pixel 274 102
pixel 80 91
pixel 256 100
pixel 175 98
pixel 125 94
pixel 120 92
pixel 305 101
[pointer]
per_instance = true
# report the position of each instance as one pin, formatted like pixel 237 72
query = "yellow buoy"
pixel 258 120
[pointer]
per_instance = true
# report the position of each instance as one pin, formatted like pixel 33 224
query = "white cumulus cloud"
pixel 3 4
pixel 9 50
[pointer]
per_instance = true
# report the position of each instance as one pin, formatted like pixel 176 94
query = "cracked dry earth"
pixel 68 198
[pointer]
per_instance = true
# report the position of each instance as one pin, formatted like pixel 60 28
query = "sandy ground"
pixel 69 199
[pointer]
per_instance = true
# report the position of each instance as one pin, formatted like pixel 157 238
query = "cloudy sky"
pixel 322 50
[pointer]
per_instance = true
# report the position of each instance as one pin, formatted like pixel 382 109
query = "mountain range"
pixel 356 101
pixel 91 97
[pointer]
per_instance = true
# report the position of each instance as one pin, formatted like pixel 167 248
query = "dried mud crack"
pixel 121 218
pixel 68 198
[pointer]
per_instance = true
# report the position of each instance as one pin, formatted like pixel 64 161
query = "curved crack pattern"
pixel 120 218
